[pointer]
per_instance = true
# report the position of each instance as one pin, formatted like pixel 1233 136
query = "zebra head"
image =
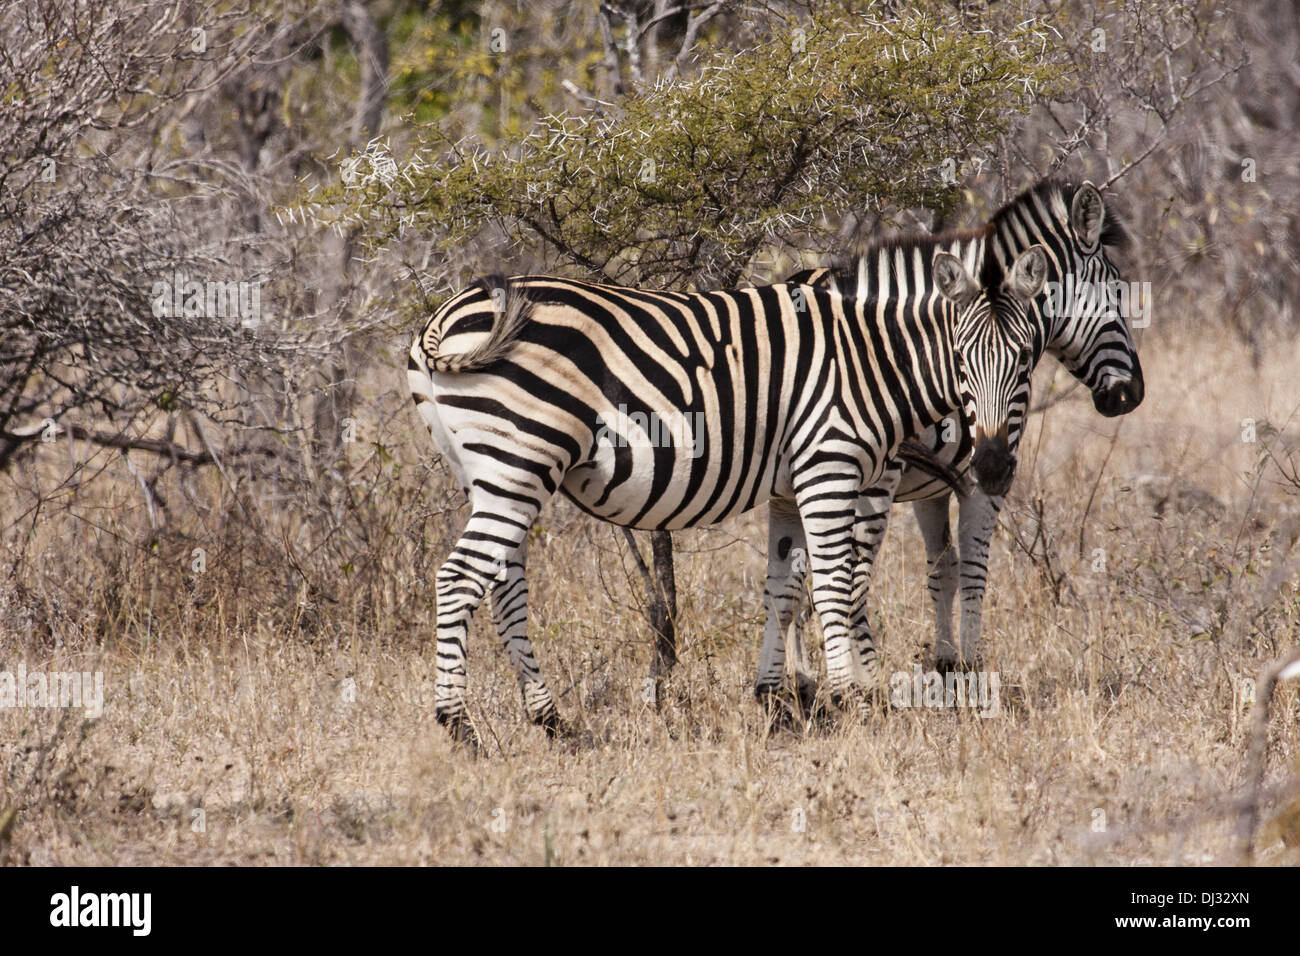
pixel 1082 304
pixel 993 344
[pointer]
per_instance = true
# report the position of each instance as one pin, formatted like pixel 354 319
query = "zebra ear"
pixel 1028 274
pixel 953 281
pixel 1087 215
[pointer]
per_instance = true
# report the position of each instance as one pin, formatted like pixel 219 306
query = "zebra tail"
pixel 511 312
pixel 917 456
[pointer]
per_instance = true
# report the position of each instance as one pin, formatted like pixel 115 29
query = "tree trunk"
pixel 663 607
pixel 339 398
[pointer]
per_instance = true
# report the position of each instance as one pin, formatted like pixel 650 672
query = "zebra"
pixel 1090 339
pixel 530 385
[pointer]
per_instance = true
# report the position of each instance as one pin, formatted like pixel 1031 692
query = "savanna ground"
pixel 236 733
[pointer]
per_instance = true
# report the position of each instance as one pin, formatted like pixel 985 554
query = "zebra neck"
pixel 898 371
pixel 1039 217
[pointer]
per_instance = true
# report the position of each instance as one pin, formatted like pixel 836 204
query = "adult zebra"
pixel 1089 337
pixel 535 384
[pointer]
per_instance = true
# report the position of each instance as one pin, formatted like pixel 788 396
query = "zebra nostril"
pixel 1119 397
pixel 1113 400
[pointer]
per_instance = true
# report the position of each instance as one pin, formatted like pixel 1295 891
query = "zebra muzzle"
pixel 994 464
pixel 1119 397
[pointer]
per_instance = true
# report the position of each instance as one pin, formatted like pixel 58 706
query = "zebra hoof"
pixel 805 690
pixel 461 731
pixel 850 698
pixel 878 700
pixel 767 694
pixel 861 700
pixel 550 722
pixel 784 710
pixel 955 665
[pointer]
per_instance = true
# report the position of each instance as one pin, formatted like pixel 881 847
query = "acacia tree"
pixel 704 180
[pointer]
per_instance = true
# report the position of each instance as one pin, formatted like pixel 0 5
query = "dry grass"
pixel 308 737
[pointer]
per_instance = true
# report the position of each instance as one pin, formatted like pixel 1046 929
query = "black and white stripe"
pixel 535 384
pixel 1091 340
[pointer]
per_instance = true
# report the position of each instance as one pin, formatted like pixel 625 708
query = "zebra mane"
pixel 844 272
pixel 1054 194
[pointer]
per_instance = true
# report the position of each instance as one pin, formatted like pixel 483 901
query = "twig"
pixel 583 95
pixel 693 26
pixel 120 441
pixel 612 62
pixel 640 564
pixel 203 439
pixel 1257 756
pixel 1110 450
pixel 1056 399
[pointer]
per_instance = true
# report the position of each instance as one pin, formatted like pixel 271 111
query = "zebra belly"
pixel 670 471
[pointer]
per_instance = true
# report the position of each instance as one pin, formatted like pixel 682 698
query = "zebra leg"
pixel 869 530
pixel 787 564
pixel 508 600
pixel 829 511
pixel 977 517
pixel 932 515
pixel 482 555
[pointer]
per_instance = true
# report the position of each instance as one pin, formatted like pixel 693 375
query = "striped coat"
pixel 663 410
pixel 1092 339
